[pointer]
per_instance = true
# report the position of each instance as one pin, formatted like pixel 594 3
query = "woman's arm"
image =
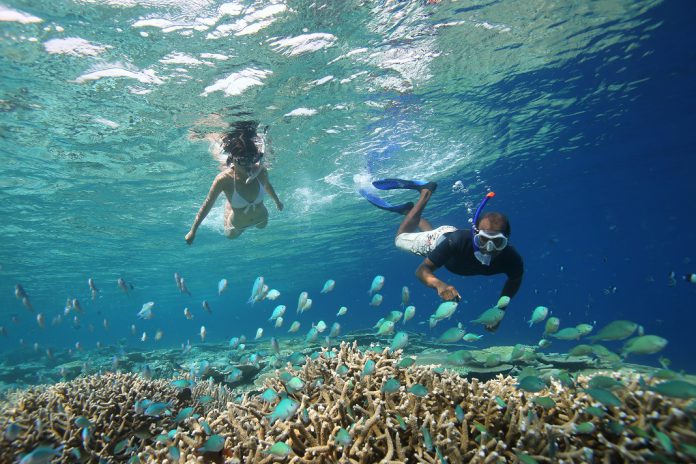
pixel 213 193
pixel 263 178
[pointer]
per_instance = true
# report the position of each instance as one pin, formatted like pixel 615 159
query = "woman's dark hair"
pixel 497 220
pixel 239 142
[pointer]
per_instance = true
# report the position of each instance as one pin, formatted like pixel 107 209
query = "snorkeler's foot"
pixel 385 205
pixel 391 184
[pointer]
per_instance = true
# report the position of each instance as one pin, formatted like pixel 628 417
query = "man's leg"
pixel 413 219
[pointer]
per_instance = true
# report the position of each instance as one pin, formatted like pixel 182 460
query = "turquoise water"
pixel 548 104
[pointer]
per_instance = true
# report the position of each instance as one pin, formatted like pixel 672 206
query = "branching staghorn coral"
pixel 350 417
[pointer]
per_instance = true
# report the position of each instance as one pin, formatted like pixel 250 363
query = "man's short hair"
pixel 497 220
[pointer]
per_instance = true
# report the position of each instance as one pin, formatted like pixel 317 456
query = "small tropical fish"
pixel 159 334
pixel 368 368
pixel 41 320
pixel 492 360
pixel 391 386
pixel 120 446
pixel 544 343
pixel 377 284
pixel 272 294
pixel 616 330
pixel 409 312
pixel 452 335
pixel 269 395
pixel 342 311
pixel 206 307
pixel 174 453
pixel 646 344
pixel 93 288
pixel 123 285
pixel 595 411
pixel 182 286
pixel 405 363
pixel 234 343
pixel 675 389
pixel 552 325
pixel 538 315
pixel 471 337
pixel 41 455
pixel 394 316
pixel 400 341
pixel 143 337
pixel 503 302
pixel 294 327
pixel 584 329
pixel 342 369
pixel 664 440
pixel 259 333
pixel 524 458
pixel 584 428
pixel 146 311
pixel 181 383
pixel 581 350
pixel 500 402
pixel 459 357
pixel 277 312
pixel 312 335
pixel 321 326
pixel 307 306
pixel 328 286
pixel 280 449
pixel 445 310
pixel 301 301
pixel 343 437
pixel 214 444
pixel 335 330
pixel 490 317
pixel 427 439
pixel 294 385
pixel 187 314
pixel 604 382
pixel 235 375
pixel 183 415
pixel 605 397
pixel 691 278
pixel 376 300
pixel 405 296
pixel 569 333
pixel 256 290
pixel 205 399
pixel 158 409
pixel 386 328
pixel 418 390
pixel 544 401
pixel 278 322
pixel 284 410
pixel 531 383
pixel 203 333
pixel 222 286
pixel 459 413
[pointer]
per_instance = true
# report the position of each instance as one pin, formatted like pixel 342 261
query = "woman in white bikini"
pixel 244 181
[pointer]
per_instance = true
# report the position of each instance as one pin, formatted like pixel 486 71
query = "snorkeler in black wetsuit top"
pixel 482 250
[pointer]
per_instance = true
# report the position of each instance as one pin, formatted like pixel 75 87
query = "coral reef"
pixel 355 406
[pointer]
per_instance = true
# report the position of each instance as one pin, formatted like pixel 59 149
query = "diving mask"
pixel 489 240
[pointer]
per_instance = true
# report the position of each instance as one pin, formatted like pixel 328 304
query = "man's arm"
pixel 512 285
pixel 425 274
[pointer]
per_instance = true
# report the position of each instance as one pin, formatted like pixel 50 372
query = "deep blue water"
pixel 599 194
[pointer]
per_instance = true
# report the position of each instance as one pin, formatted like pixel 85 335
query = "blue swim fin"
pixel 383 204
pixel 390 184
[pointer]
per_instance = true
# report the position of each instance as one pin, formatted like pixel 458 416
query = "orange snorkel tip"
pixel 490 194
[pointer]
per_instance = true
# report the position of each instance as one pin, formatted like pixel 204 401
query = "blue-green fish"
pixel 646 344
pixel 538 315
pixel 269 395
pixel 569 333
pixel 459 413
pixel 391 386
pixel 584 329
pixel 205 399
pixel 82 422
pixel 552 325
pixel 544 401
pixel 405 295
pixel 256 291
pixel 328 286
pixel 444 311
pixel 427 439
pixel 235 375
pixel 675 389
pixel 120 446
pixel 452 335
pixel 394 316
pixel 616 330
pixel 312 335
pixel 400 340
pixel 500 402
pixel 213 444
pixel 490 317
pixel 335 331
pixel 406 363
pixel 471 337
pixel 492 360
pixel 607 383
pixel 342 369
pixel 387 328
pixel 158 409
pixel 377 284
pixel 295 384
pixel 605 397
pixel 174 453
pixel 180 384
pixel 376 300
pixel 183 415
pixel 284 410
pixel 280 449
pixel 531 383
pixel 459 357
pixel 418 390
pixel 369 368
pixel 294 327
pixel 42 455
pixel 279 311
pixel 301 302
pixel 581 350
pixel 343 437
pixel 503 302
pixel 409 312
pixel 584 428
pixel 342 311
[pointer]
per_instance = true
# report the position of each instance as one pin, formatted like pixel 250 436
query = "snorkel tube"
pixel 474 229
